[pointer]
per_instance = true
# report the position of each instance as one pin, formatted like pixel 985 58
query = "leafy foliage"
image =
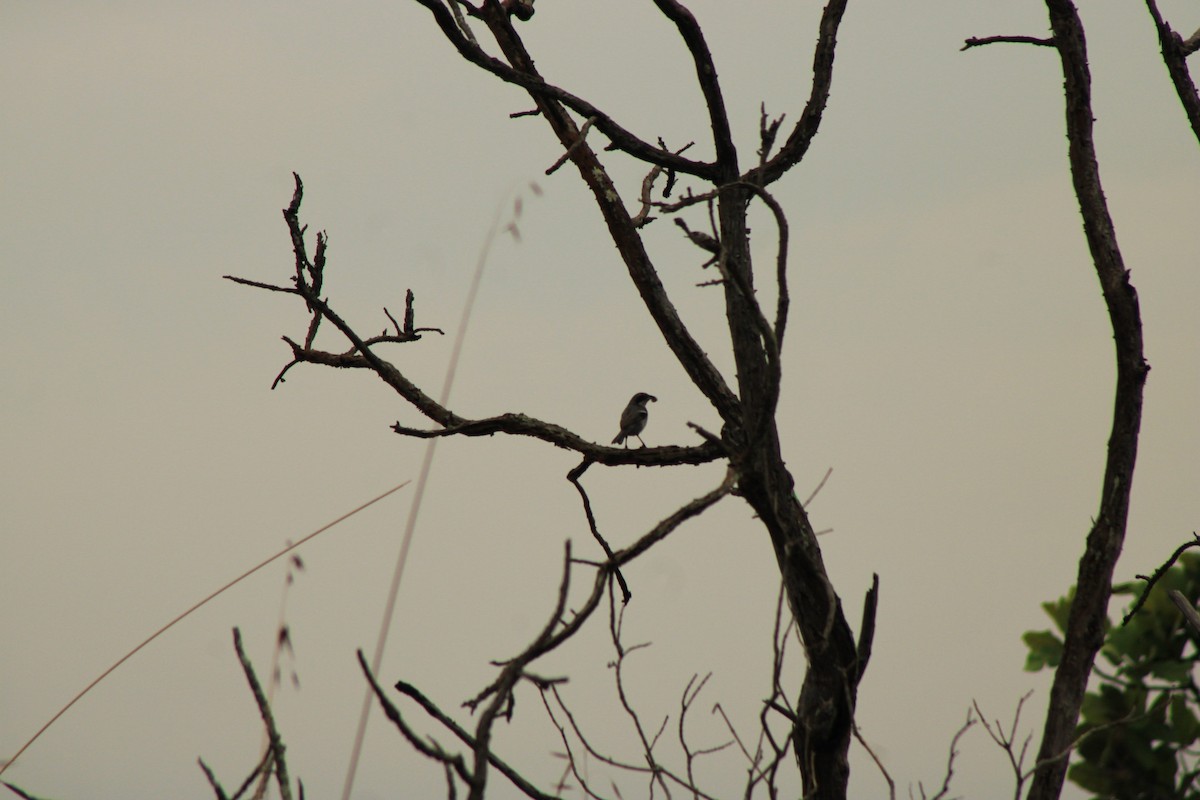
pixel 1139 725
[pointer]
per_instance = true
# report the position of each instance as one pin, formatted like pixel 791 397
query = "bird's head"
pixel 641 398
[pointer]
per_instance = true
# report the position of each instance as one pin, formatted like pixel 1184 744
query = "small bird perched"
pixel 633 418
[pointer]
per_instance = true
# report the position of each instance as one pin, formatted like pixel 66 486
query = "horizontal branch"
pixel 980 41
pixel 260 285
pixel 523 425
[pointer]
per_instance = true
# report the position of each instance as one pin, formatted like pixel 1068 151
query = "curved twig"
pixel 625 140
pixel 806 127
pixel 706 76
pixel 573 477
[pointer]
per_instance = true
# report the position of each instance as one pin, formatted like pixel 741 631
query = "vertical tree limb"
pixel 1085 625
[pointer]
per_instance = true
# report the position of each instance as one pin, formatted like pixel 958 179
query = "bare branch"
pixel 624 233
pixel 578 143
pixel 820 486
pixel 664 528
pixel 706 76
pixel 690 693
pixel 540 89
pixel 274 739
pixel 1158 573
pixel 573 477
pixel 866 631
pixel 1007 741
pixel 1175 52
pixel 19 791
pixel 793 150
pixel 433 750
pixel 503 686
pixel 1089 609
pixel 1187 608
pixel 212 780
pixel 430 749
pixel 879 764
pixel 767 131
pixel 980 41
pixel 522 425
pixel 953 754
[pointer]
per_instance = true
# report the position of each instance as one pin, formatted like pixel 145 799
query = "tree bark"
pixel 1089 611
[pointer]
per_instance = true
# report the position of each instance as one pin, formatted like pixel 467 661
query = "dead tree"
pixel 749 439
pixel 822 722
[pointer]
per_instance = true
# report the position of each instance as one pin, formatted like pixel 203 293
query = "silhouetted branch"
pixel 307 279
pixel 558 630
pixel 1175 52
pixel 866 631
pixel 798 141
pixel 20 792
pixel 664 528
pixel 690 693
pixel 1158 573
pixel 432 749
pixel 278 763
pixel 706 77
pixel 954 754
pixel 214 783
pixel 258 771
pixel 1089 609
pixel 307 283
pixel 659 775
pixel 625 234
pixel 583 131
pixel 522 425
pixel 878 763
pixel 1187 608
pixel 1007 742
pixel 540 89
pixel 980 41
pixel 591 520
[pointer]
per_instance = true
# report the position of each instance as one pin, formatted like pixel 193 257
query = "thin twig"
pixel 573 477
pixel 182 616
pixel 1158 573
pixel 820 486
pixel 212 781
pixel 878 764
pixel 279 765
pixel 582 137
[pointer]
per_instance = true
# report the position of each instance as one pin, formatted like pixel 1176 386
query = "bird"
pixel 633 418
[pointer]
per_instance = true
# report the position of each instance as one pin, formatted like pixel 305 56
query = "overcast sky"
pixel 949 357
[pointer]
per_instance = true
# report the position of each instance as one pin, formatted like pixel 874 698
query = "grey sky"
pixel 949 357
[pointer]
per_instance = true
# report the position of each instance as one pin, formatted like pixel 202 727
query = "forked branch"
pixel 1174 53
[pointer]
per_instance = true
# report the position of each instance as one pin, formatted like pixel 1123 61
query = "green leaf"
pixel 1060 609
pixel 1091 777
pixel 1185 728
pixel 1045 650
pixel 1173 671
